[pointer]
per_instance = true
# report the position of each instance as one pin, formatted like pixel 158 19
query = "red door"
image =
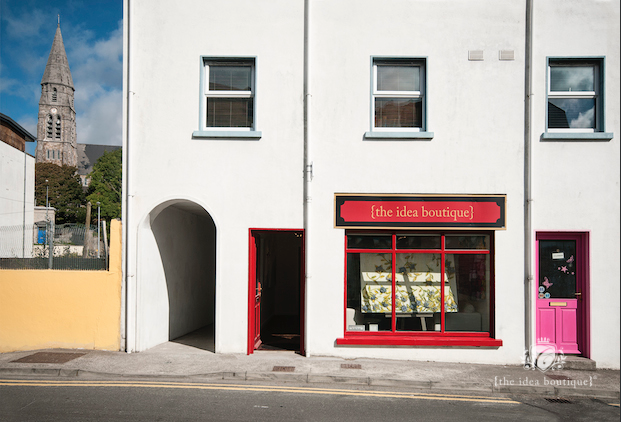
pixel 254 321
pixel 561 292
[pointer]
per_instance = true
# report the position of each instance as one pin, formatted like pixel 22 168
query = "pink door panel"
pixel 557 303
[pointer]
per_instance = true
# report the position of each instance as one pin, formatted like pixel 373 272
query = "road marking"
pixel 262 388
pixel 613 404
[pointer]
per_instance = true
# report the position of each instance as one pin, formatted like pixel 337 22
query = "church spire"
pixel 57 68
pixel 56 126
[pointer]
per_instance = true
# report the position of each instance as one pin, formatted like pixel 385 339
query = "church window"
pixel 54 95
pixel 49 126
pixel 57 127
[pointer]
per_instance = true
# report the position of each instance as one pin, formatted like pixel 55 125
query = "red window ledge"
pixel 383 340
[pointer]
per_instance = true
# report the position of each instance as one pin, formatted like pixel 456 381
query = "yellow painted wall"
pixel 42 309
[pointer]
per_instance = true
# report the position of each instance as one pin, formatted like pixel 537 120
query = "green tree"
pixel 64 191
pixel 106 184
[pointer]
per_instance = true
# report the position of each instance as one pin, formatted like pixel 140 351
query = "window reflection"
pixel 572 78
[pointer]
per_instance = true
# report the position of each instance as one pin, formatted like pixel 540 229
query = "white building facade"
pixel 17 193
pixel 406 180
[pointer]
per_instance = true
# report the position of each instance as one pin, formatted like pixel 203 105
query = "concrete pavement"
pixel 198 364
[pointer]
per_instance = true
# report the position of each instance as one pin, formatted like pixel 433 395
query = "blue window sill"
pixel 566 136
pixel 227 134
pixel 400 136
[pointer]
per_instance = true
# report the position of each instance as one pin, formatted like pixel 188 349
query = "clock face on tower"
pixel 53 110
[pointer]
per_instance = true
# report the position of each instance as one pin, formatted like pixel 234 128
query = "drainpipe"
pixel 528 275
pixel 125 209
pixel 308 164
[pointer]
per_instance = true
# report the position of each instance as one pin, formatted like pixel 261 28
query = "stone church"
pixel 56 128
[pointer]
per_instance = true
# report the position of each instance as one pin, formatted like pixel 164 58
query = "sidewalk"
pixel 178 360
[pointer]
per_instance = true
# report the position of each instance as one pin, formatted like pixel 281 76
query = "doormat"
pixel 48 357
pixel 558 377
pixel 283 369
pixel 351 366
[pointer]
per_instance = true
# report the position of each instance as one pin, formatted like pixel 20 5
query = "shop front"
pixel 419 269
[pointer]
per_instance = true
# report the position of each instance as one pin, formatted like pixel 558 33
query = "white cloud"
pixel 29 123
pixel 101 122
pixel 27 25
pixel 584 120
pixel 96 68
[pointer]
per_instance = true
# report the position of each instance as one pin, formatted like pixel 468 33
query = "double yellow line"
pixel 262 388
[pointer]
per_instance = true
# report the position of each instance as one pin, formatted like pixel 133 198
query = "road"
pixel 59 399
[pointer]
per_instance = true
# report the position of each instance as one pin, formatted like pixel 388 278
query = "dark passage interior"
pixel 279 270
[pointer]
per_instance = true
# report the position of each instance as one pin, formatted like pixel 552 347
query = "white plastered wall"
pixel 241 183
pixel 576 183
pixel 474 108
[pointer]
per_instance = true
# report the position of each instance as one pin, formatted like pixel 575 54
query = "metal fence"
pixel 72 246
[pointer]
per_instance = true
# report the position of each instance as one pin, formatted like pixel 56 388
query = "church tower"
pixel 56 129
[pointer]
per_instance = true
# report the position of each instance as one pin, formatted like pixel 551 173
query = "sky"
pixel 92 32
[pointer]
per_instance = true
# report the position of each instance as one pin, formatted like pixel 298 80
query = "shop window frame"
pixel 421 338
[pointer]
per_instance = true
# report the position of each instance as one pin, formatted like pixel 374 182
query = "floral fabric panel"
pixel 417 284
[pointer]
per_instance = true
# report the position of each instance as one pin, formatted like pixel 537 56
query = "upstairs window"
pixel 229 94
pixel 574 96
pixel 398 94
pixel 54 95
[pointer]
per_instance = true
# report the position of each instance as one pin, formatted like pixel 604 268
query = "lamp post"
pixel 98 226
pixel 47 190
pixel 48 227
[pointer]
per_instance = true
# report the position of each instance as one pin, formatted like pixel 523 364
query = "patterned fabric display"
pixel 416 290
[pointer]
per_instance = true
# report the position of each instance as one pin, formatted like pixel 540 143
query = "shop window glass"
pixel 425 283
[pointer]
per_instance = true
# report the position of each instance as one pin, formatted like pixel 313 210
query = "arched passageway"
pixel 177 283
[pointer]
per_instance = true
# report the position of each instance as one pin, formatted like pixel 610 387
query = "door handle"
pixel 578 294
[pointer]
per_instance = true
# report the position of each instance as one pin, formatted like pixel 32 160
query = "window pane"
pixel 360 241
pixel 369 292
pixel 571 113
pixel 557 269
pixel 398 78
pixel 572 78
pixel 395 112
pixel 418 242
pixel 471 285
pixel 230 78
pixel 467 242
pixel 418 299
pixel 229 112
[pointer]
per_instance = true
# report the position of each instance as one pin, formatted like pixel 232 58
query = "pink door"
pixel 560 285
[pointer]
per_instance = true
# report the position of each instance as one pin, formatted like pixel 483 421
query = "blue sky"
pixel 92 32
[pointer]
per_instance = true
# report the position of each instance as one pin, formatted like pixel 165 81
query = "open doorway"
pixel 276 290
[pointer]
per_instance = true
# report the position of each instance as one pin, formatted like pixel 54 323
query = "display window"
pixel 418 288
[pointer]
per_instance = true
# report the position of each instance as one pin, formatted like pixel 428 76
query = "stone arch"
pixel 176 275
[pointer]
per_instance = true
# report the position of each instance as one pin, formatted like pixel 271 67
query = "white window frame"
pixel 375 93
pixel 206 93
pixel 595 94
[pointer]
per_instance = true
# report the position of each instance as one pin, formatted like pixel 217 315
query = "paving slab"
pixel 174 360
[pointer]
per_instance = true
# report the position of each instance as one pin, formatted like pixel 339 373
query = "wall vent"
pixel 506 55
pixel 475 55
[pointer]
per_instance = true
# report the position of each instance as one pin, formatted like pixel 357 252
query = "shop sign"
pixel 420 211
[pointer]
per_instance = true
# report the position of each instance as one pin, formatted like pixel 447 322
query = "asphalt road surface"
pixel 58 399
